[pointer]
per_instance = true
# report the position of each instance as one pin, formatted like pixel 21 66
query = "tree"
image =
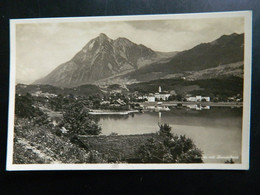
pixel 179 97
pixel 171 98
pixel 25 107
pixel 152 151
pixel 77 121
pixel 56 103
pixel 169 148
pixel 165 130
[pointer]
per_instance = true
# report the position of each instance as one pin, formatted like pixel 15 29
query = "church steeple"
pixel 160 89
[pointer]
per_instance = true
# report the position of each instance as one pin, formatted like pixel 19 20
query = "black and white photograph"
pixel 130 92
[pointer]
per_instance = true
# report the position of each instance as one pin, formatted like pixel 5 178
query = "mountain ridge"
pixel 103 60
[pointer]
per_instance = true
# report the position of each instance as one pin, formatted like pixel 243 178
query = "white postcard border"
pixel 246 103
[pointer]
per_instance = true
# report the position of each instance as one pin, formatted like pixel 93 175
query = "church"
pixel 160 96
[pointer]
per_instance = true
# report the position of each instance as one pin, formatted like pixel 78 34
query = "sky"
pixel 41 47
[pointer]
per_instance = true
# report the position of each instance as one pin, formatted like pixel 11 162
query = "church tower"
pixel 160 89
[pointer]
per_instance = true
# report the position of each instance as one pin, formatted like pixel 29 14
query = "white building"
pixel 163 97
pixel 206 98
pixel 159 96
pixel 143 97
pixel 191 99
pixel 151 99
pixel 198 99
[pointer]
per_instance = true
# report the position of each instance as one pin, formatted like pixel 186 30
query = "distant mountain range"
pixel 103 60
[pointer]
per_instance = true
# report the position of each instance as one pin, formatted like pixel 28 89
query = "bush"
pixel 25 108
pixel 169 148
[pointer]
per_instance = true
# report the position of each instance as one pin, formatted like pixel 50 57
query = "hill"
pixel 225 50
pixel 227 86
pixel 83 90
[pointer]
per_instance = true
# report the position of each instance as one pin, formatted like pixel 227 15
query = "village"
pixel 61 112
pixel 116 102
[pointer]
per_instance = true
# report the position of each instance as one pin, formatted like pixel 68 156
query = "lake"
pixel 217 131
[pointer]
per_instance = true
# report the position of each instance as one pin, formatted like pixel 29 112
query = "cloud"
pixel 155 25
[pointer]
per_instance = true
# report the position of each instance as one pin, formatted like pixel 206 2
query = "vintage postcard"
pixel 130 92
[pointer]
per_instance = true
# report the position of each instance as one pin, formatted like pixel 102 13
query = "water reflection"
pixel 217 131
pixel 158 108
pixel 198 107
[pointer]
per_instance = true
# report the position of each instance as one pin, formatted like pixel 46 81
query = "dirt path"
pixel 40 153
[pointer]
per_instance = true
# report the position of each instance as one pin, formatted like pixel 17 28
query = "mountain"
pixel 226 50
pixel 101 58
pixel 104 61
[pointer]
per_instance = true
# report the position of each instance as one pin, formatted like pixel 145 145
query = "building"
pixel 41 94
pixel 156 96
pixel 151 99
pixel 142 97
pixel 206 98
pixel 161 96
pixel 191 99
pixel 198 99
pixel 104 102
pixel 118 103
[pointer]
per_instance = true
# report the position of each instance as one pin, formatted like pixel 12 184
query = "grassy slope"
pixel 34 145
pixel 118 147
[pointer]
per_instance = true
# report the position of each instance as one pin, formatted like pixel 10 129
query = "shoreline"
pixel 183 104
pixel 110 112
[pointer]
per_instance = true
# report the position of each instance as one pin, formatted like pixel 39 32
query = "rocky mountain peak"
pixel 103 37
pixel 100 58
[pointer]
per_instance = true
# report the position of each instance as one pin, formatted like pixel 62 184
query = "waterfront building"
pixel 161 96
pixel 198 99
pixel 156 96
pixel 151 99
